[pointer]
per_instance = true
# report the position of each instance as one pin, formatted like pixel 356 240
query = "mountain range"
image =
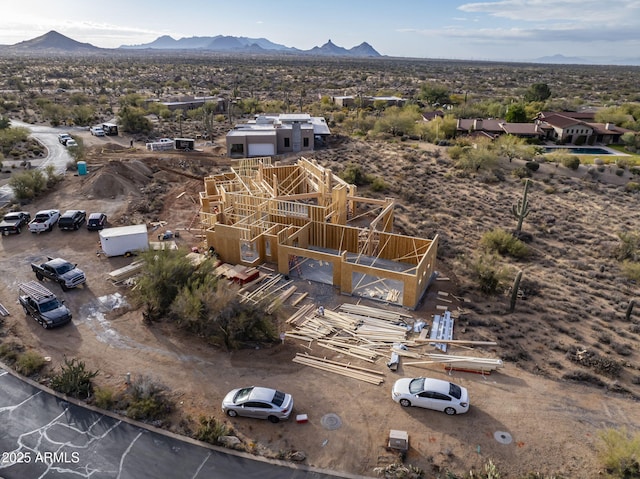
pixel 56 43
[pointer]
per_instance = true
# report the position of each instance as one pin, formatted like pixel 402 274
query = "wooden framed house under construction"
pixel 308 221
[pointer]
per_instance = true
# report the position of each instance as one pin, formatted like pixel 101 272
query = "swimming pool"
pixel 578 150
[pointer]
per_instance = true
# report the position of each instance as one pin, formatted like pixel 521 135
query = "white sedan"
pixel 431 394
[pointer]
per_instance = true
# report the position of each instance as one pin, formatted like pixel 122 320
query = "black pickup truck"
pixel 61 271
pixel 42 305
pixel 14 222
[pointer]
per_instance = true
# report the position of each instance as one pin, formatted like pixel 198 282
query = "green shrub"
pixel 619 171
pixel 104 398
pixel 504 243
pixel 488 273
pixel 378 184
pixel 571 161
pixel 631 270
pixel 9 352
pixel 74 379
pixel 521 172
pixel 147 400
pixel 29 363
pixel 211 430
pixel 632 187
pixel 619 451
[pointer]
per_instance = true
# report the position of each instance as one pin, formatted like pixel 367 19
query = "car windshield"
pixel 49 305
pixel 455 391
pixel 11 217
pixel 42 218
pixel 278 398
pixel 64 268
pixel 242 395
pixel 416 386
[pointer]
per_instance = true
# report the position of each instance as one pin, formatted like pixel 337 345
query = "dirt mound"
pixel 111 147
pixel 118 178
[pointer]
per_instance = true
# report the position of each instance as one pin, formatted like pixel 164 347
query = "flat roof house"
pixel 276 134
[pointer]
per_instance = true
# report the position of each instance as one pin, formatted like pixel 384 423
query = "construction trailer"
pixel 289 214
pixel 124 240
pixel 110 129
pixel 184 143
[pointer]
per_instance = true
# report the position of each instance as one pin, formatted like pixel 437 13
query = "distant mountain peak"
pixel 55 42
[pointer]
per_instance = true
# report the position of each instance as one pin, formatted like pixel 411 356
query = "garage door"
pixel 262 149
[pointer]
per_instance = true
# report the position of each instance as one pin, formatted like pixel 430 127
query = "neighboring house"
pixel 192 103
pixel 565 128
pixel 432 115
pixel 276 134
pixel 495 127
pixel 349 101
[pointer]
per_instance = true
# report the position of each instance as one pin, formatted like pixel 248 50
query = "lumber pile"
pixel 348 370
pixel 3 311
pixel 126 272
pixel 460 363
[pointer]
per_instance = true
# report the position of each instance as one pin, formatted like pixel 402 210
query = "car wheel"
pixel 18 230
pixel 231 413
pixel 44 325
pixel 450 411
pixel 273 419
pixel 75 227
pixel 26 311
pixel 64 287
pixel 39 276
pixel 405 403
pixel 50 228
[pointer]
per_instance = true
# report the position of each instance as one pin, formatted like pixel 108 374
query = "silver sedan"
pixel 258 402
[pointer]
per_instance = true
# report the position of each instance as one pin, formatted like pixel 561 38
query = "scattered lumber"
pixel 282 297
pixel 458 341
pixel 349 370
pixel 3 311
pixel 460 363
pixel 299 299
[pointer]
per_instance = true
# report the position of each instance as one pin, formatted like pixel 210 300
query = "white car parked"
pixel 431 394
pixel 97 131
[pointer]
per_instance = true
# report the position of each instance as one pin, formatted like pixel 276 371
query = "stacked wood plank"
pixel 126 272
pixel 349 370
pixel 460 363
pixel 3 311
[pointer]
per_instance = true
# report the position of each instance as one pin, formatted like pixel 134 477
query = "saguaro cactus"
pixel 627 315
pixel 514 291
pixel 522 210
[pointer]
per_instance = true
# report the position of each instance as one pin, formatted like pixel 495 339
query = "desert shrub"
pixel 619 172
pixel 28 184
pixel 571 161
pixel 9 352
pixel 29 363
pixel 104 398
pixel 504 243
pixel 631 270
pixel 628 246
pixel 354 175
pixel 584 377
pixel 521 172
pixel 398 470
pixel 74 379
pixel 632 186
pixel 490 276
pixel 146 400
pixel 378 184
pixel 532 165
pixel 619 451
pixel 211 430
pixel 600 364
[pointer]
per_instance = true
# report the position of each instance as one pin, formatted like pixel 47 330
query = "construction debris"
pixel 460 363
pixel 126 272
pixel 349 370
pixel 3 311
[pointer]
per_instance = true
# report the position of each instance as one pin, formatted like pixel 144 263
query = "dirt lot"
pixel 575 297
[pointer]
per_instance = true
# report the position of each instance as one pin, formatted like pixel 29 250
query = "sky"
pixel 508 30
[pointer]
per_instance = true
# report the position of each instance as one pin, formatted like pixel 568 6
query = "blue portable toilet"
pixel 82 168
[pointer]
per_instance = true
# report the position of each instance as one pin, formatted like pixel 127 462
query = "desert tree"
pixel 516 113
pixel 537 92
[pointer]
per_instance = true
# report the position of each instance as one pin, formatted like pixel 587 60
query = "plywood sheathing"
pixel 283 211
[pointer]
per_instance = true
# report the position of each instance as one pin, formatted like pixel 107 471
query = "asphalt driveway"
pixel 44 436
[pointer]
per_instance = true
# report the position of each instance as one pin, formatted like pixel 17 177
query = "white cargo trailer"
pixel 124 240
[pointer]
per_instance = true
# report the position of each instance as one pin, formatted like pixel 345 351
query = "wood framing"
pixel 259 212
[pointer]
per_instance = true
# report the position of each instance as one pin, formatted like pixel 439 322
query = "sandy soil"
pixel 526 418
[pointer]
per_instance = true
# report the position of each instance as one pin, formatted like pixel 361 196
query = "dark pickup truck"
pixel 72 219
pixel 14 222
pixel 61 271
pixel 42 305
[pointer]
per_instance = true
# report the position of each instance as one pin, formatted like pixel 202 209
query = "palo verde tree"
pixel 537 92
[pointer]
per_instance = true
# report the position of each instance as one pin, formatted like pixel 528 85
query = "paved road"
pixel 43 436
pixel 58 156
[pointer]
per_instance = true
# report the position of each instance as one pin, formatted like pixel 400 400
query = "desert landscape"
pixel 571 365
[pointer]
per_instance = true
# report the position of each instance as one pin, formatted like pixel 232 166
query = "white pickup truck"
pixel 44 220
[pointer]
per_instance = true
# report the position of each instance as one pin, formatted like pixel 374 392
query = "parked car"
pixel 258 402
pixel 64 137
pixel 96 131
pixel 14 222
pixel 96 221
pixel 42 305
pixel 71 142
pixel 72 219
pixel 44 220
pixel 431 394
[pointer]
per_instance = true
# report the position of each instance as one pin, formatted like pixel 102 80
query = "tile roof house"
pixel 565 128
pixel 492 128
